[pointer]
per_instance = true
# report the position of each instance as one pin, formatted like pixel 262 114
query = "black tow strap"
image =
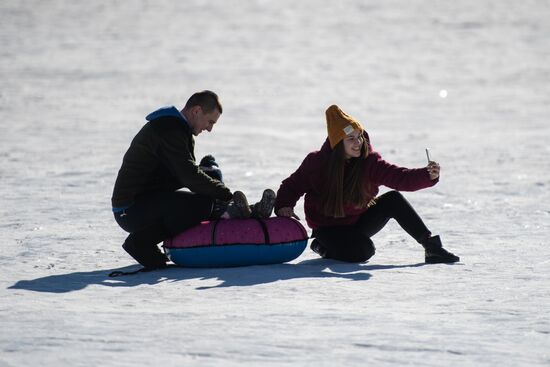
pixel 118 273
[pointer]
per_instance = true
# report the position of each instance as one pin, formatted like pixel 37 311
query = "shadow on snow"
pixel 229 277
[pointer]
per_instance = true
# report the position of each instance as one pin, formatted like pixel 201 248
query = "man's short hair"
pixel 207 100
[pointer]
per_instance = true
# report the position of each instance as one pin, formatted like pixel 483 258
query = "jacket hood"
pixel 165 112
pixel 325 148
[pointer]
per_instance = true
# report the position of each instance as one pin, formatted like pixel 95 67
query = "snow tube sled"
pixel 238 242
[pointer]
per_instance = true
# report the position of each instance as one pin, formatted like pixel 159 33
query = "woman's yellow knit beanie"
pixel 340 125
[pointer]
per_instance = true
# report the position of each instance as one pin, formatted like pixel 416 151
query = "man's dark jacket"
pixel 161 158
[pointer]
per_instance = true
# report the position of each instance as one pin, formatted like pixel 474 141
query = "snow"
pixel 77 80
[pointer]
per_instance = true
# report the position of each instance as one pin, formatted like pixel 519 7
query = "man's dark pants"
pixel 154 217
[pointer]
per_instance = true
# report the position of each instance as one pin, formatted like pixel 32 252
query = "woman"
pixel 341 182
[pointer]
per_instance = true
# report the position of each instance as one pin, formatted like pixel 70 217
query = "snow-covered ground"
pixel 469 79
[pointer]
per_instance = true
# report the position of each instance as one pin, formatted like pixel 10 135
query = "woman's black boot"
pixel 435 253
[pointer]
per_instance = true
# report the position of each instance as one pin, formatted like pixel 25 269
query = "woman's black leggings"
pixel 352 243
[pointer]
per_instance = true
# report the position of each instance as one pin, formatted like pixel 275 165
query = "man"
pixel 160 161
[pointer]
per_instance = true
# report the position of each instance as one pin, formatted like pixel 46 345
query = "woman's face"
pixel 353 143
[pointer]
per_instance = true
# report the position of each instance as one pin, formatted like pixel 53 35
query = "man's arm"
pixel 179 160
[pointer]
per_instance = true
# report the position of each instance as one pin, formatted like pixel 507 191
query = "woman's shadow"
pixel 228 277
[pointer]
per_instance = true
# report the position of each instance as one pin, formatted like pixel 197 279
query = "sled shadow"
pixel 228 277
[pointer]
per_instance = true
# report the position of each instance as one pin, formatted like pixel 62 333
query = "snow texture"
pixel 468 79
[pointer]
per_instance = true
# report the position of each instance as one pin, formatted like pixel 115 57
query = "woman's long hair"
pixel 343 182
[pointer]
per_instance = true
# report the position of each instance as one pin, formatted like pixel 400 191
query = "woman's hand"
pixel 433 169
pixel 287 212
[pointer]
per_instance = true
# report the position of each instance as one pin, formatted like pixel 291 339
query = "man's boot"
pixel 149 256
pixel 142 246
pixel 435 253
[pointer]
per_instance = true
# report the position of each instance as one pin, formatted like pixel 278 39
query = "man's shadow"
pixel 228 277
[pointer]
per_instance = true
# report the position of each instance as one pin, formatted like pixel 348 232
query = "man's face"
pixel 203 121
